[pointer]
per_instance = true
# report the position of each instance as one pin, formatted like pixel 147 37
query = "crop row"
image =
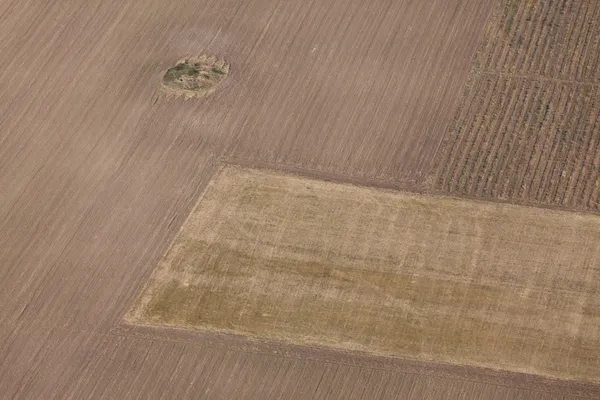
pixel 544 38
pixel 525 140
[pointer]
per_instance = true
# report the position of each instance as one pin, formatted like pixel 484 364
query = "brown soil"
pixel 97 175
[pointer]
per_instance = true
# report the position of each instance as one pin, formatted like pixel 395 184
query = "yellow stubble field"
pixel 304 261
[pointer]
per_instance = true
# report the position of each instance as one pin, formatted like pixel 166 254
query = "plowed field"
pixel 98 174
pixel 528 128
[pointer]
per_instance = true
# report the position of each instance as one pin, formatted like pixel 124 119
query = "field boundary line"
pixel 408 185
pixel 397 186
pixel 536 78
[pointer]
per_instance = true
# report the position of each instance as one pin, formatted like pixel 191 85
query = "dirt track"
pixel 97 174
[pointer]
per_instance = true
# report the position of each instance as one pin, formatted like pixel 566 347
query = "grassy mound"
pixel 195 77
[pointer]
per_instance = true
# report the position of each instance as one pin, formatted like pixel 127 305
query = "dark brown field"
pixel 528 129
pixel 97 174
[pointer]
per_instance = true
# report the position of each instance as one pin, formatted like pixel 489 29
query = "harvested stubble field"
pixel 97 174
pixel 433 278
pixel 528 128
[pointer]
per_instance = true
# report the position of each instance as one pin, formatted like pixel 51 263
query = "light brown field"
pixel 432 278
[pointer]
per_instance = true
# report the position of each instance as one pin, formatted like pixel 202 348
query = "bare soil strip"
pixel 203 340
pixel 428 278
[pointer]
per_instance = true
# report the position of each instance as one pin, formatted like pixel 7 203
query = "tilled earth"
pixel 98 172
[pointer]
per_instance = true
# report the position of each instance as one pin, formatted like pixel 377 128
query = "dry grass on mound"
pixel 194 77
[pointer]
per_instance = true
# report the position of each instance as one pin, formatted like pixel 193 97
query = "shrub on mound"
pixel 194 77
